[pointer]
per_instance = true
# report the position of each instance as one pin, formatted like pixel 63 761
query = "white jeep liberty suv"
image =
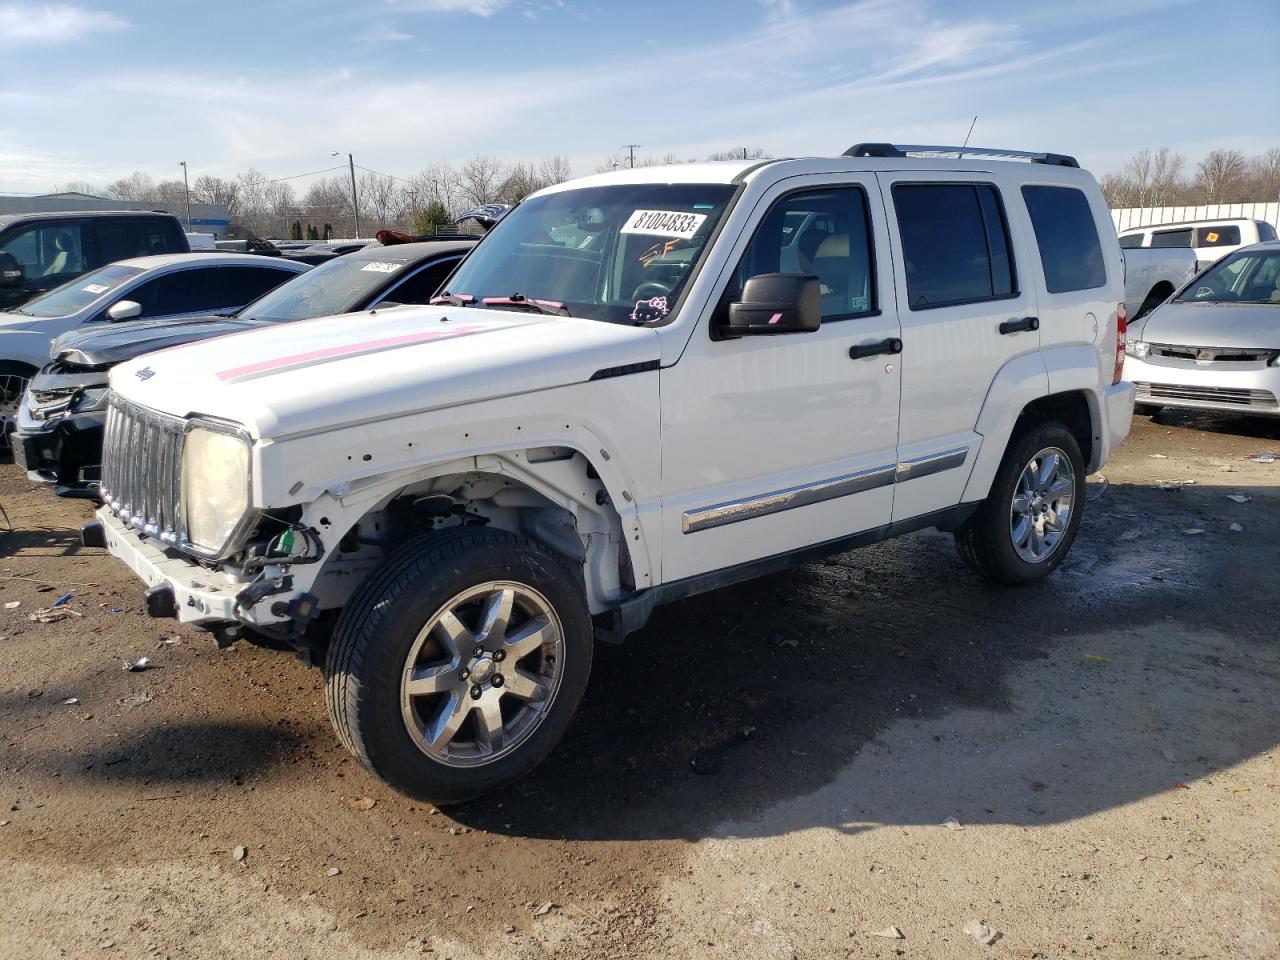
pixel 638 386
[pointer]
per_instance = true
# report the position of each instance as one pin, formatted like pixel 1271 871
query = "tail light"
pixel 1122 327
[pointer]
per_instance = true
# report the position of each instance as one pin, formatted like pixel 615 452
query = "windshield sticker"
pixel 664 223
pixel 382 266
pixel 646 311
pixel 96 288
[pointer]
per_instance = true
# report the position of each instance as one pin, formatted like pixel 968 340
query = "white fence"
pixel 1150 216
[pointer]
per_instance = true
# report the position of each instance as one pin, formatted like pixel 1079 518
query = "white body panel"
pixel 1213 232
pixel 684 454
pixel 1146 269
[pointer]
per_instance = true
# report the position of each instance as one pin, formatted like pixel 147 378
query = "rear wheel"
pixel 1025 527
pixel 455 669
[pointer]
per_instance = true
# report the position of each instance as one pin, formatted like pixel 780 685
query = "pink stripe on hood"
pixel 348 350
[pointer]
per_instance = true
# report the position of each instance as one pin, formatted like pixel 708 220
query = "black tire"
pixel 14 378
pixel 984 540
pixel 376 633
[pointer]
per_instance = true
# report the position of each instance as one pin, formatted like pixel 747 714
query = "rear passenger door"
pixel 965 311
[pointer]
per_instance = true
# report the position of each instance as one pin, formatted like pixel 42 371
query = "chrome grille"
pixel 1226 396
pixel 141 461
pixel 1211 354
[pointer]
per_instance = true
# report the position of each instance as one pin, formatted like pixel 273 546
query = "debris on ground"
pixel 747 732
pixel 1238 498
pixel 1193 531
pixel 53 614
pixel 239 853
pixel 1157 456
pixel 544 909
pixel 1095 658
pixel 360 803
pixel 135 700
pixel 1176 484
pixel 136 666
pixel 1236 528
pixel 951 823
pixel 981 932
pixel 1131 534
pixel 13 605
pixel 332 872
pixel 64 599
pixel 1103 484
pixel 70 701
pixel 889 933
pixel 1263 458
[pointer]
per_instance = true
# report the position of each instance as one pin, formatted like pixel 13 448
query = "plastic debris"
pixel 1103 484
pixel 1176 484
pixel 1181 786
pixel 951 823
pixel 51 615
pixel 70 701
pixel 1157 456
pixel 1131 535
pixel 1095 658
pixel 239 853
pixel 1236 528
pixel 117 609
pixel 1263 458
pixel 1238 498
pixel 136 666
pixel 545 908
pixel 65 598
pixel 332 872
pixel 981 932
pixel 360 803
pixel 889 933
pixel 13 605
pixel 1193 531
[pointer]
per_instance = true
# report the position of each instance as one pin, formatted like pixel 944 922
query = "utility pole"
pixel 355 199
pixel 632 147
pixel 187 190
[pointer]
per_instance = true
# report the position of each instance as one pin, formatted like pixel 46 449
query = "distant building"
pixel 205 217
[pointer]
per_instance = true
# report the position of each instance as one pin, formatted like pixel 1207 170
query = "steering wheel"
pixel 650 289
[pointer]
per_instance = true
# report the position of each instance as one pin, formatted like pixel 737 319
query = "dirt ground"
pixel 762 773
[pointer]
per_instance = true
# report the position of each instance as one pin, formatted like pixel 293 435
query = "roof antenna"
pixel 968 135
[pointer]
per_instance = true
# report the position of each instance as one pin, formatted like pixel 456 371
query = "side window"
pixel 1265 230
pixel 238 286
pixel 47 250
pixel 120 239
pixel 1131 241
pixel 955 243
pixel 187 291
pixel 824 233
pixel 424 284
pixel 1227 235
pixel 1067 236
pixel 1171 238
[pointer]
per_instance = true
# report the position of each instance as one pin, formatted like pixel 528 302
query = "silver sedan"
pixel 1215 345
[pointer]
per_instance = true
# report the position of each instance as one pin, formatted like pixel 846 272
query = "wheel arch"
pixel 1159 293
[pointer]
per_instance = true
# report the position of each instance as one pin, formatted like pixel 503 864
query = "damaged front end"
pixel 60 427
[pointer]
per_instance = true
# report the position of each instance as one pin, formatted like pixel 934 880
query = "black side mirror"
pixel 11 272
pixel 777 303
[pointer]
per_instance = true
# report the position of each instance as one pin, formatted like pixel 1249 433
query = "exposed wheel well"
pixel 1070 409
pixel 1159 293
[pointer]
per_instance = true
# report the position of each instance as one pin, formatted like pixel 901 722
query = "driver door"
pixel 776 443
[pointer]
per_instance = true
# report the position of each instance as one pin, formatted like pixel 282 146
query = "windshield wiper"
pixel 552 307
pixel 453 299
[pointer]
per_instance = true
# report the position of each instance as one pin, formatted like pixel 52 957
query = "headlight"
pixel 91 399
pixel 215 486
pixel 1137 348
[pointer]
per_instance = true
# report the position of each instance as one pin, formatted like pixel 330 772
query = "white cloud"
pixel 481 8
pixel 53 23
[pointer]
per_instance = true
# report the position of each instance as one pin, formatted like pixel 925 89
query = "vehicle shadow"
pixel 729 703
pixel 1263 428
pixel 40 542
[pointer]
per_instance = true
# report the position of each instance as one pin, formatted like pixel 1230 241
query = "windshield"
pixel 338 286
pixel 619 253
pixel 73 297
pixel 1245 277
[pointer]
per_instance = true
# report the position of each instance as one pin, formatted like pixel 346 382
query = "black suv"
pixel 40 251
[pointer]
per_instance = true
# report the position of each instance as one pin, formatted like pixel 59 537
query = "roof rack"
pixel 894 150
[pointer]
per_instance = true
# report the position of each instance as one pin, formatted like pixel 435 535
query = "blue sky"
pixel 94 91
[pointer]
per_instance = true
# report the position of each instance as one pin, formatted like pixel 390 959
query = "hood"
pixel 1237 325
pixel 315 375
pixel 108 344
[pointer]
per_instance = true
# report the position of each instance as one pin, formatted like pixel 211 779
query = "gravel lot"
pixel 762 773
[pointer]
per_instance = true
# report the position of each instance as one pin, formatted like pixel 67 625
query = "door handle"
pixel 1019 326
pixel 889 345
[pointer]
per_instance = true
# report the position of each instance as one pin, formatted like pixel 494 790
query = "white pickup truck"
pixel 1152 274
pixel 639 386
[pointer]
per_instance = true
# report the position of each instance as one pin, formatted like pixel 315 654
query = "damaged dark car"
pixel 60 422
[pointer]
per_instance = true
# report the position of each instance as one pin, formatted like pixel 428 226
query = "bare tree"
pixel 138 186
pixel 210 189
pixel 521 181
pixel 80 186
pixel 1264 174
pixel 1221 176
pixel 481 180
pixel 552 170
pixel 740 153
pixel 172 194
pixel 379 198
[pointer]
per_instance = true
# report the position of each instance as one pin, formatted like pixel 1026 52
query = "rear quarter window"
pixel 1067 237
pixel 1222 236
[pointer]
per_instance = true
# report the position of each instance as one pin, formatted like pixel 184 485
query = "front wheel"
pixel 457 667
pixel 1025 526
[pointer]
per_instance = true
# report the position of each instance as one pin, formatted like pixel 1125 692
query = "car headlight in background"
pixel 1137 348
pixel 215 486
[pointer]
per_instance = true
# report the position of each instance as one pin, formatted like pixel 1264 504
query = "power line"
pixel 298 176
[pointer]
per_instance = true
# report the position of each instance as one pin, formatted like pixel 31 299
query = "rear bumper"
pixel 1119 400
